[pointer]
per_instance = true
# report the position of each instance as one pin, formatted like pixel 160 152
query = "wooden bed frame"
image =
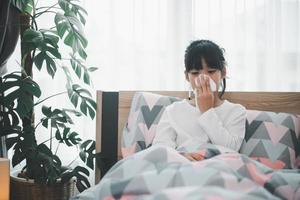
pixel 113 109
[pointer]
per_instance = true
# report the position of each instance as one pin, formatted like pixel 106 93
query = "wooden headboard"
pixel 113 109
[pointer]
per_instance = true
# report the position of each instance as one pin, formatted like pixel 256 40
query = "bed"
pixel 161 173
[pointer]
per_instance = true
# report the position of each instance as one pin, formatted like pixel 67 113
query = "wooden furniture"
pixel 113 109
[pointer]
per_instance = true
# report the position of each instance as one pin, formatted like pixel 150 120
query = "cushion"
pixel 272 138
pixel 145 112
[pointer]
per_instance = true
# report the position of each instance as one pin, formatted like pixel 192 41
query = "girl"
pixel 205 118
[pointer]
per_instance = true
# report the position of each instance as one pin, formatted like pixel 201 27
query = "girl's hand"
pixel 204 96
pixel 193 156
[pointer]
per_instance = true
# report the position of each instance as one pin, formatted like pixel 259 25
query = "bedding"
pixel 158 172
pixel 163 173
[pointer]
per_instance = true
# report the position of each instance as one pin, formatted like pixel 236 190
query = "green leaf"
pixel 18 157
pixel 86 78
pixel 46 110
pixel 46 42
pixel 78 114
pixel 51 66
pixel 68 6
pixel 69 26
pixel 82 156
pixel 90 162
pixel 80 68
pixel 81 175
pixel 74 99
pixel 44 149
pixel 45 123
pixel 57 135
pixel 92 69
pixel 25 6
pixel 57 117
pixel 10 142
pixel 85 144
pixel 87 150
pixel 69 138
pixel 87 105
pixel 83 107
pixel 17 101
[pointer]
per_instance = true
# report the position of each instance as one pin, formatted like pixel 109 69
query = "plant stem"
pixel 40 13
pixel 57 148
pixel 48 8
pixel 73 161
pixel 47 140
pixel 39 123
pixel 50 139
pixel 50 97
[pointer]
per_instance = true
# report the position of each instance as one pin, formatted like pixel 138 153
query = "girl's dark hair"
pixel 210 52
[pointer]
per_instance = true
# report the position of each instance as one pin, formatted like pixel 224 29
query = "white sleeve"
pixel 165 133
pixel 230 135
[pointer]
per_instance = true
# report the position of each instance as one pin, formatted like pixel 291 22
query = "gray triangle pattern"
pixel 259 150
pixel 289 122
pixel 118 187
pixel 285 157
pixel 150 115
pixel 287 139
pixel 261 133
pixel 273 152
pixel 263 116
pixel 214 181
pixel 243 171
pixel 247 147
pixel 178 180
pixel 137 183
pixel 278 118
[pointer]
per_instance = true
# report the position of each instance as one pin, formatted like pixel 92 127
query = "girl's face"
pixel 215 74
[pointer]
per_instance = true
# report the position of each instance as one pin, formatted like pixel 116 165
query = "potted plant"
pixel 40 48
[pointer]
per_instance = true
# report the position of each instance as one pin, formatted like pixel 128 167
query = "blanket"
pixel 163 173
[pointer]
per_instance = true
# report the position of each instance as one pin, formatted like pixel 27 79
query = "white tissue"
pixel 213 86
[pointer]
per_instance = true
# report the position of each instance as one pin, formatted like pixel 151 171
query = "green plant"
pixel 41 48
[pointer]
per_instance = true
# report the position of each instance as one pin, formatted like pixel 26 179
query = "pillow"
pixel 272 138
pixel 145 112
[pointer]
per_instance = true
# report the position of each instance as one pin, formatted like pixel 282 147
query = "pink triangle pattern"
pixel 297 163
pixel 258 177
pixel 148 133
pixel 128 151
pixel 109 198
pixel 278 164
pixel 286 191
pixel 251 115
pixel 275 132
pixel 245 185
pixel 234 159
